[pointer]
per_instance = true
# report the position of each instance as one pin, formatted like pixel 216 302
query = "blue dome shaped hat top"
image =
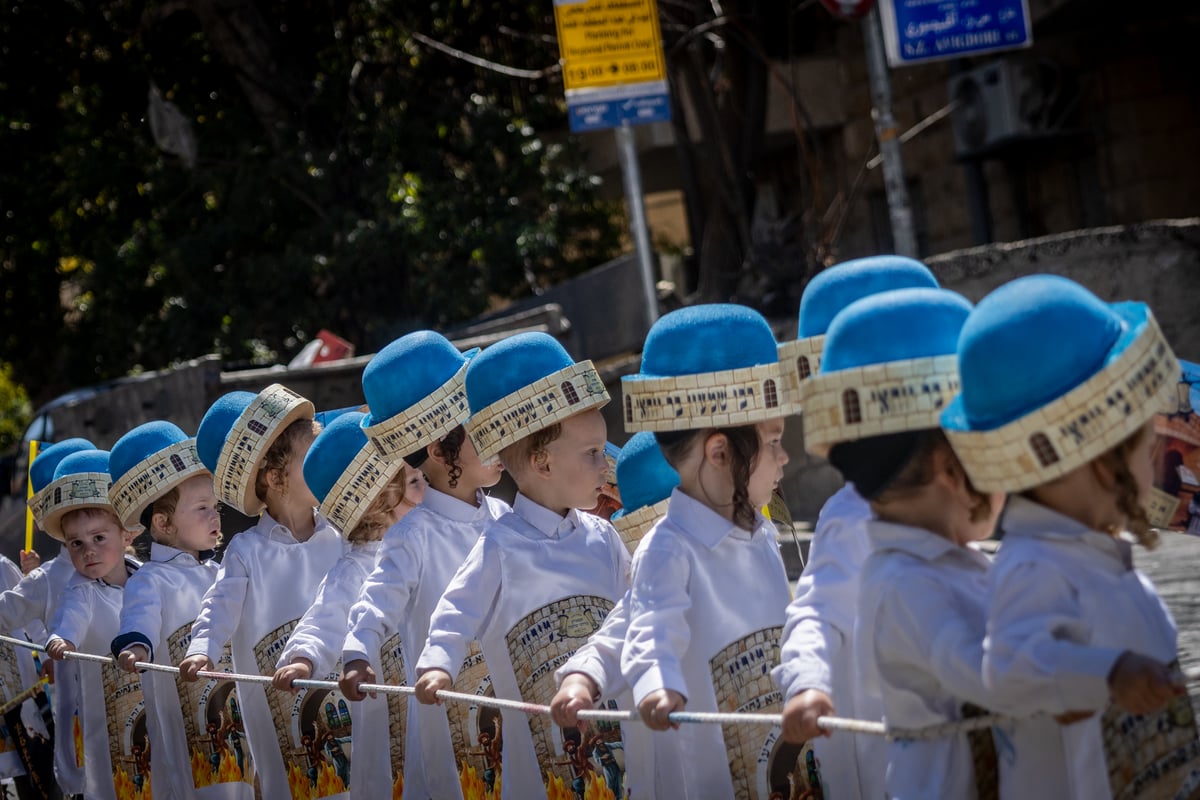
pixel 1053 377
pixel 646 481
pixel 416 391
pixel 889 366
pixel 706 366
pixel 147 463
pixel 832 290
pixel 345 472
pixel 81 480
pixel 235 434
pixel 41 471
pixel 525 384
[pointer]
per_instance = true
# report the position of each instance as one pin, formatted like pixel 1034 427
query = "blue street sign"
pixel 916 31
pixel 598 109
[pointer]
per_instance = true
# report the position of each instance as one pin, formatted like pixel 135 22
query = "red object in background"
pixel 333 347
pixel 848 9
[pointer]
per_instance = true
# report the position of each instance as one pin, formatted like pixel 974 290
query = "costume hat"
pixel 345 472
pixel 706 366
pixel 831 291
pixel 236 433
pixel 81 480
pixel 323 418
pixel 1052 378
pixel 645 481
pixel 146 463
pixel 414 388
pixel 41 471
pixel 525 384
pixel 889 366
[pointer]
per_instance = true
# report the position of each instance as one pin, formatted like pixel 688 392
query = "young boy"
pixel 541 579
pixel 79 514
pixel 414 388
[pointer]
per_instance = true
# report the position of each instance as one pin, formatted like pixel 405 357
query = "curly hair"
pixel 743 452
pixel 532 447
pixel 451 446
pixel 378 518
pixel 279 454
pixel 1126 490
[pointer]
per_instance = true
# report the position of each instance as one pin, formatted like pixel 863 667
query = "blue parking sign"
pixel 916 31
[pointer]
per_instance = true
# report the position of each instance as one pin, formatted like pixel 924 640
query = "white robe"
pixel 266 582
pixel 17 673
pixel 419 556
pixel 705 618
pixel 535 585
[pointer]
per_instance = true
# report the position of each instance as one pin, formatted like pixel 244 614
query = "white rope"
pixel 843 724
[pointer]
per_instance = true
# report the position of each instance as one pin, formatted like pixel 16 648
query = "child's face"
pixel 96 544
pixel 475 473
pixel 767 469
pixel 414 491
pixel 577 467
pixel 197 521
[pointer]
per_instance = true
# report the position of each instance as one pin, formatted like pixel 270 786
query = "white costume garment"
pixel 1066 602
pixel 318 637
pixel 266 582
pixel 705 618
pixel 162 599
pixel 420 554
pixel 922 613
pixel 818 646
pixel 112 715
pixel 17 672
pixel 532 589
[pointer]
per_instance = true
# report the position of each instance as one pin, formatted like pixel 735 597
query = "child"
pixel 160 483
pixel 540 579
pixel 873 410
pixel 79 513
pixel 1073 628
pixel 255 445
pixel 362 496
pixel 817 672
pixel 415 390
pixel 709 587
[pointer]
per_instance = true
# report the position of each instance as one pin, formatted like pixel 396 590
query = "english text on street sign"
pixel 917 31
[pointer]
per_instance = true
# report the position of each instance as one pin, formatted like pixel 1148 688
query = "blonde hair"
pixel 88 513
pixel 378 518
pixel 279 454
pixel 1126 490
pixel 164 505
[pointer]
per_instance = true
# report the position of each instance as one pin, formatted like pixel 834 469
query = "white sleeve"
pixel 1037 657
pixel 459 615
pixel 25 602
pixel 600 657
pixel 141 615
pixel 651 658
pixel 10 573
pixel 322 629
pixel 74 615
pixel 221 609
pixel 384 598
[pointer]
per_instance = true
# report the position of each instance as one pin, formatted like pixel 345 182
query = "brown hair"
pixel 743 451
pixel 163 505
pixel 451 446
pixel 918 471
pixel 279 454
pixel 532 447
pixel 378 517
pixel 88 513
pixel 1126 490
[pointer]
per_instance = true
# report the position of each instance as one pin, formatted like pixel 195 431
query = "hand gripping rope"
pixel 859 726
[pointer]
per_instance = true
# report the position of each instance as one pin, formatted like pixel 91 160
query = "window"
pixel 770 397
pixel 256 426
pixel 850 407
pixel 568 390
pixel 177 462
pixel 1045 452
pixel 803 367
pixel 628 409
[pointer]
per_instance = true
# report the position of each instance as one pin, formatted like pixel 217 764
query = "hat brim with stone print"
pixel 81 480
pixel 525 384
pixel 1052 378
pixel 645 481
pixel 147 463
pixel 889 366
pixel 41 471
pixel 345 471
pixel 235 434
pixel 415 389
pixel 706 366
pixel 832 290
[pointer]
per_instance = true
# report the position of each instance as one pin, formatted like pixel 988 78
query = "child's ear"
pixel 158 523
pixel 276 479
pixel 128 536
pixel 716 449
pixel 539 462
pixel 434 451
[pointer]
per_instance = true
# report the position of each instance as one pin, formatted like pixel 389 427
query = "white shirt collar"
pixel 918 542
pixel 163 553
pixel 455 509
pixel 546 522
pixel 277 531
pixel 705 525
pixel 1026 518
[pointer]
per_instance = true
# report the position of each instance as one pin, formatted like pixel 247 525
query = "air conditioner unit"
pixel 1000 102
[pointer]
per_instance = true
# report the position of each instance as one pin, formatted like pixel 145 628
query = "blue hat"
pixel 415 391
pixel 345 472
pixel 81 480
pixel 889 366
pixel 41 471
pixel 323 418
pixel 831 291
pixel 706 366
pixel 522 385
pixel 646 481
pixel 236 433
pixel 1052 378
pixel 146 463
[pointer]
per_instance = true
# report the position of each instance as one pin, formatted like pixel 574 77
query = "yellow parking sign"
pixel 609 42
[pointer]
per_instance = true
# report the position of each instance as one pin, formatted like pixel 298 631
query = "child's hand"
pixel 299 669
pixel 1141 685
pixel 30 560
pixel 430 683
pixel 356 672
pixel 655 707
pixel 801 713
pixel 192 665
pixel 59 648
pixel 131 654
pixel 47 670
pixel 573 696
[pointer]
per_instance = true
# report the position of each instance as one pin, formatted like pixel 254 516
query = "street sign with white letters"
pixel 917 31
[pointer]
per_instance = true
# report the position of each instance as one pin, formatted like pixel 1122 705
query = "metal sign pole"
pixel 632 175
pixel 899 210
